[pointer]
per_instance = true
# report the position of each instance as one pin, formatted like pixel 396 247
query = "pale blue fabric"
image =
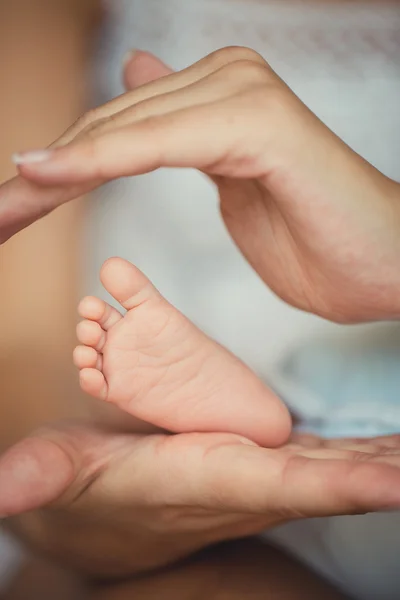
pixel 345 387
pixel 168 224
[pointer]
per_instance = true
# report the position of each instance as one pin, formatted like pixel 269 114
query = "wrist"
pixel 370 288
pixel 388 308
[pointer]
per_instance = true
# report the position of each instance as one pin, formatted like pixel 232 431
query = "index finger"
pixel 283 487
pixel 22 203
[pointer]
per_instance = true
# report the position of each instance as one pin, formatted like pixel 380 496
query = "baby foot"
pixel 156 365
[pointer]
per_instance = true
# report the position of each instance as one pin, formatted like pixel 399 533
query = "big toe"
pixel 126 283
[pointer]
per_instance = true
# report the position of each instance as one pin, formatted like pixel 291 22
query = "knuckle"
pixel 95 128
pixel 87 119
pixel 237 53
pixel 95 125
pixel 247 71
pixel 230 54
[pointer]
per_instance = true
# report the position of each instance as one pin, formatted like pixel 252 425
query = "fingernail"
pixel 128 57
pixel 34 156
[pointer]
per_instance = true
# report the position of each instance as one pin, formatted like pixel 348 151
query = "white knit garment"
pixel 343 62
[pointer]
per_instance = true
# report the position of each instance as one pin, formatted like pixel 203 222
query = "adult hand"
pixel 112 504
pixel 319 224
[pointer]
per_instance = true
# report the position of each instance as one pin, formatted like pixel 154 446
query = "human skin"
pixel 81 494
pixel 318 223
pixel 60 518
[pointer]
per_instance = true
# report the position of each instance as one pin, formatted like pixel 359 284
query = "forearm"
pixel 44 45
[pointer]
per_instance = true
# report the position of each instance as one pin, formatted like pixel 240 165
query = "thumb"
pixel 53 463
pixel 141 68
pixel 33 473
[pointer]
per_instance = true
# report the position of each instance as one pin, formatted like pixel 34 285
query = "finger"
pixel 163 85
pixel 367 447
pixel 34 473
pixel 226 474
pixel 142 68
pixel 228 81
pixel 376 443
pixel 177 139
pixel 55 465
pixel 263 481
pixel 348 451
pixel 387 441
pixel 363 444
pixel 22 203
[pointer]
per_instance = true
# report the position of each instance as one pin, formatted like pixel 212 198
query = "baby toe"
pixel 94 309
pixel 87 357
pixel 91 308
pixel 90 333
pixel 93 383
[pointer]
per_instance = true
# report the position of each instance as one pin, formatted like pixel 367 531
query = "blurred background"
pixel 58 57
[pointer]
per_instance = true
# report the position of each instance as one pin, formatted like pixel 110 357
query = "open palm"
pixel 115 503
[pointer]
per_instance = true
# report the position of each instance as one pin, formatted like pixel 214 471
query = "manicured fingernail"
pixel 128 57
pixel 34 156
